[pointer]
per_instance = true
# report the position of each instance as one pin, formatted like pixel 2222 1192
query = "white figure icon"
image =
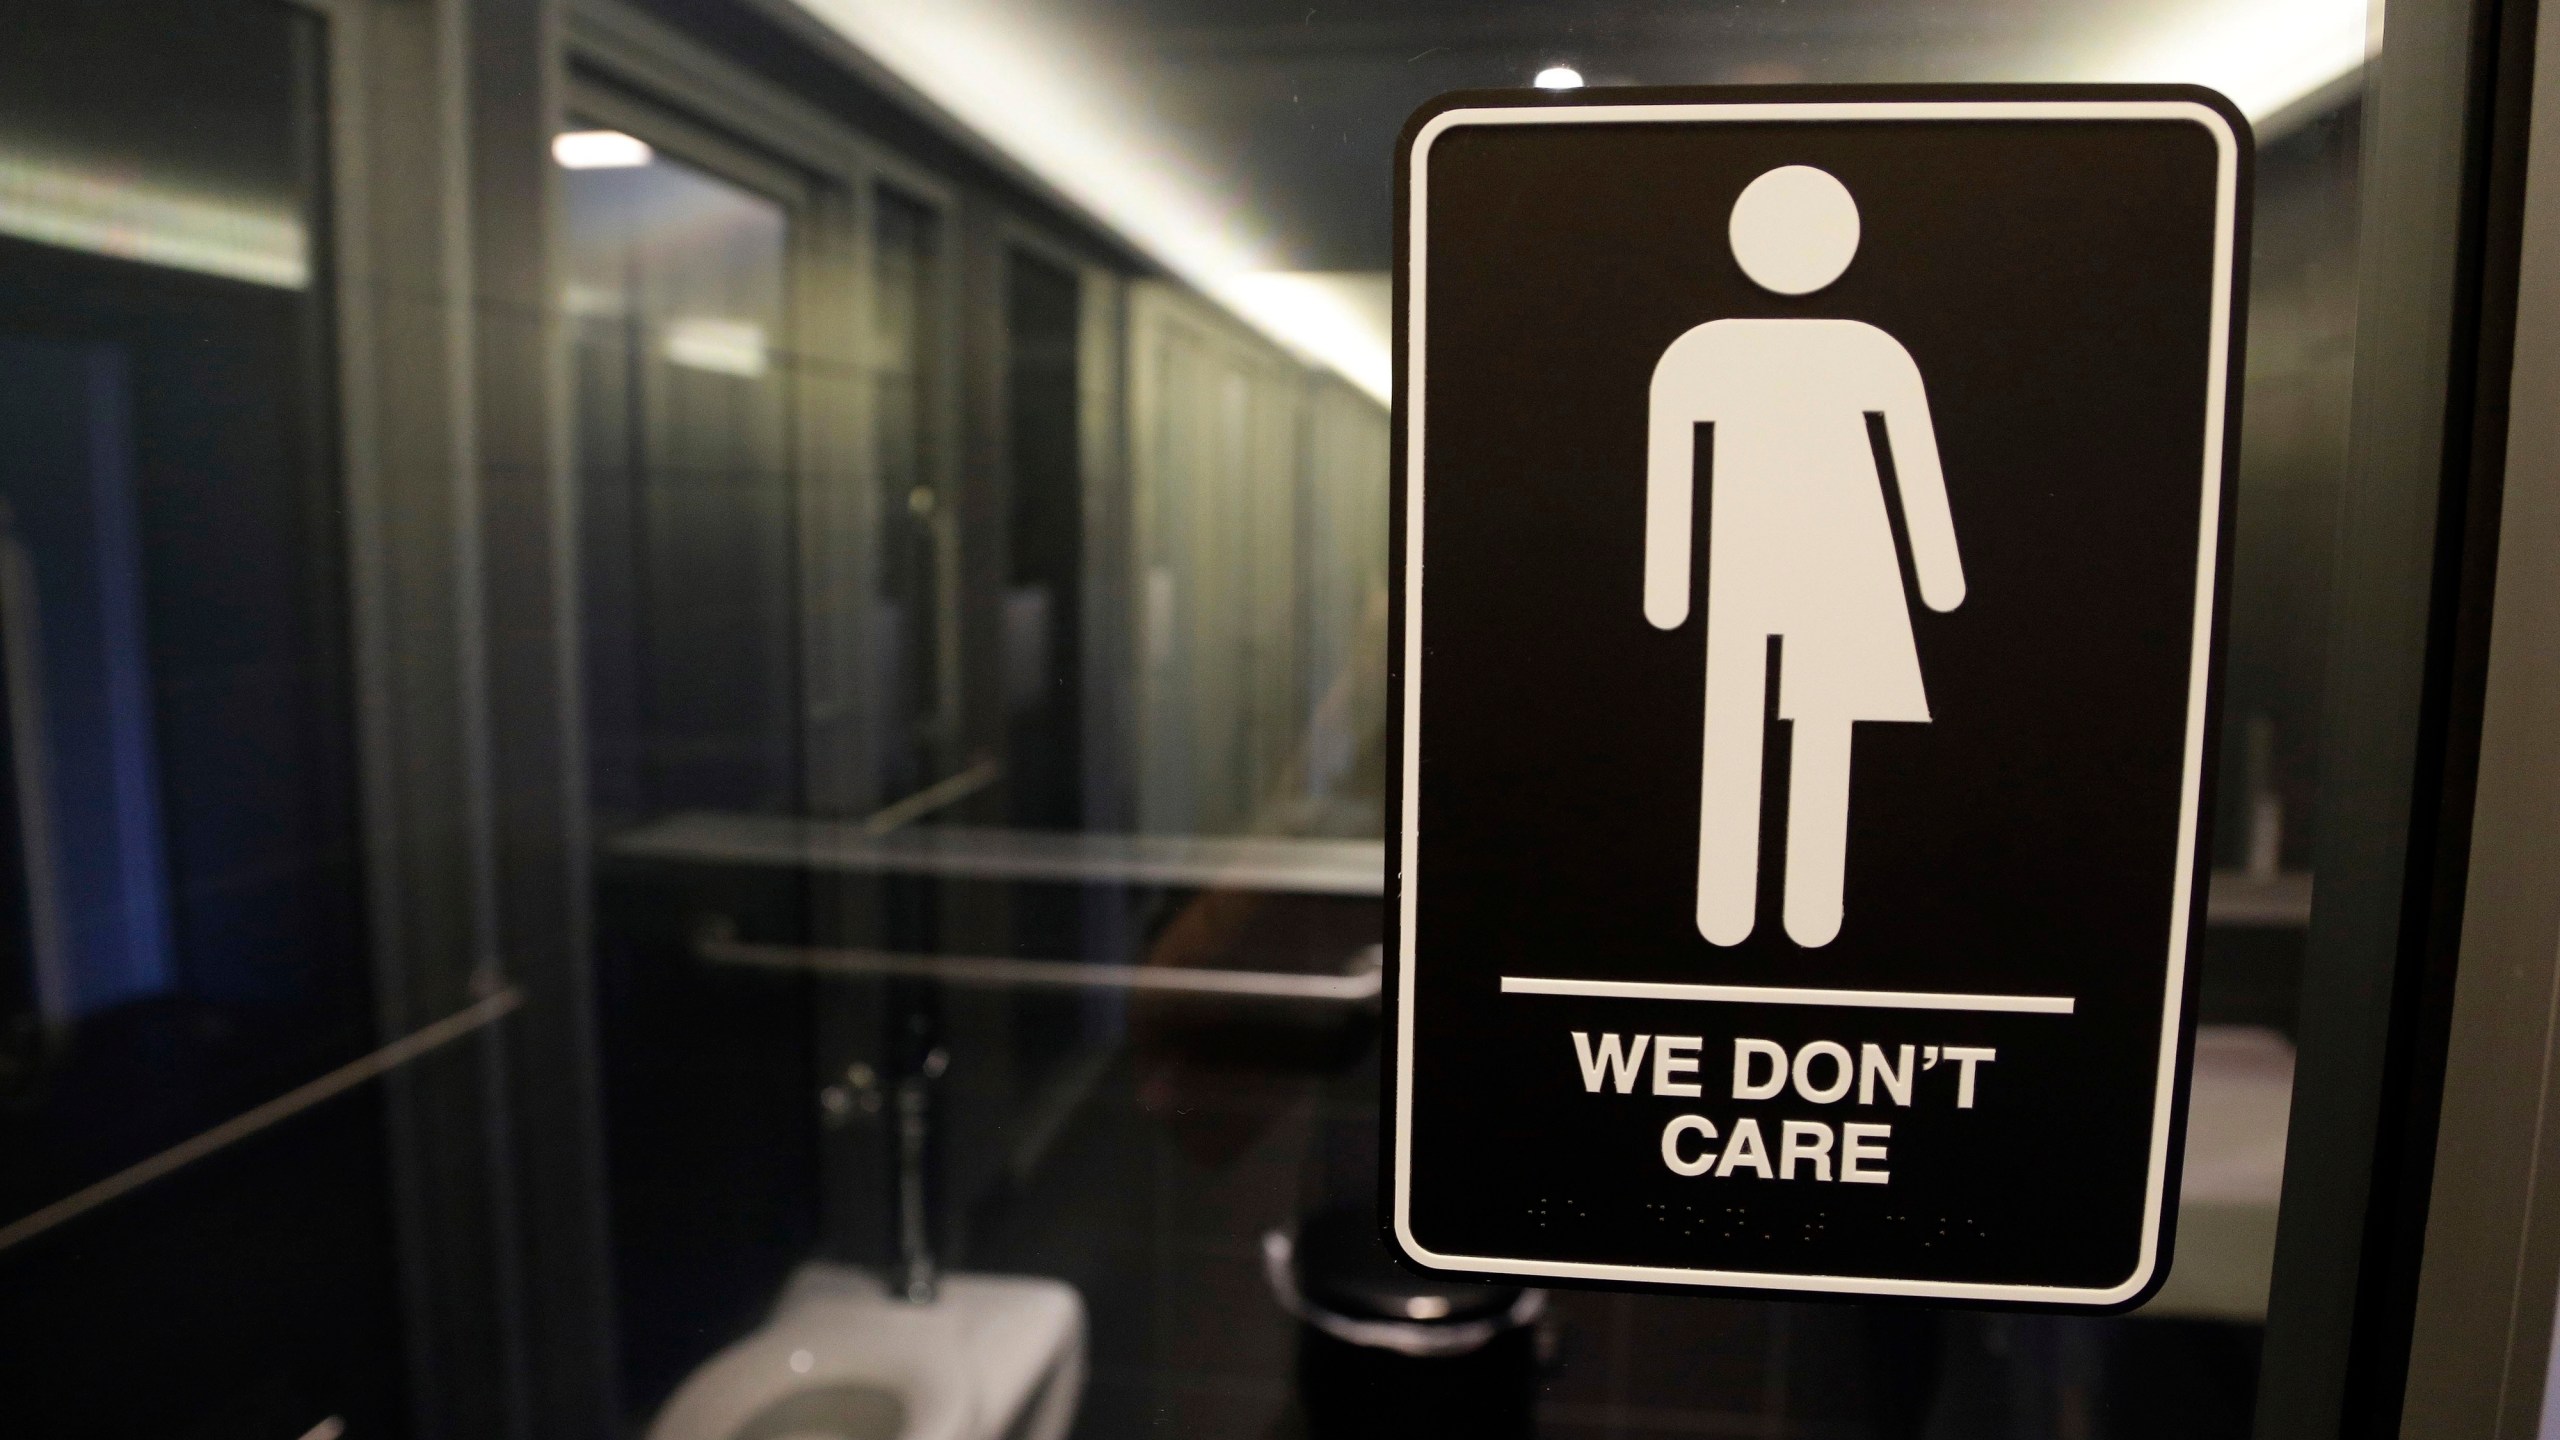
pixel 1799 547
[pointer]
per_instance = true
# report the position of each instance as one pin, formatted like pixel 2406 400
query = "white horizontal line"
pixel 1788 995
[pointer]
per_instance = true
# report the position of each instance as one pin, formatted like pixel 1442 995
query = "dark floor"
pixel 1152 1201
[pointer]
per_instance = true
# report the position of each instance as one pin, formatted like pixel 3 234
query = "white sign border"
pixel 2199 668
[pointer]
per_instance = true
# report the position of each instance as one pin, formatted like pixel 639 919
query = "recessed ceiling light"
pixel 1558 77
pixel 599 150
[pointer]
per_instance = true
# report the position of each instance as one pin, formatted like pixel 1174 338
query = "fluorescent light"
pixel 723 347
pixel 2265 55
pixel 78 207
pixel 592 302
pixel 1085 121
pixel 1346 315
pixel 600 150
pixel 1088 127
pixel 1558 77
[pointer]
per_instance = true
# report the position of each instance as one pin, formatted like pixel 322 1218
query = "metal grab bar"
pixel 1357 985
pixel 249 1122
pixel 950 790
pixel 1270 865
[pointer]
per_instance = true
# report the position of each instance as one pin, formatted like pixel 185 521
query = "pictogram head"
pixel 1794 229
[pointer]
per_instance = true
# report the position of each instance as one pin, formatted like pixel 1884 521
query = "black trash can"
pixel 1386 1351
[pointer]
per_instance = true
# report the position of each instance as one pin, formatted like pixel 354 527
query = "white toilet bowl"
pixel 994 1357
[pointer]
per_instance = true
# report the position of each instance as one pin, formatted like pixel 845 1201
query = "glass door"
pixel 683 288
pixel 1100 1007
pixel 695 731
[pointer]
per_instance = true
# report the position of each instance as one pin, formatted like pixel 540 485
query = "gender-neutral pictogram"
pixel 1801 554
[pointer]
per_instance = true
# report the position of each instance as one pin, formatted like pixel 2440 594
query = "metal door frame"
pixel 2417 579
pixel 2480 1354
pixel 459 528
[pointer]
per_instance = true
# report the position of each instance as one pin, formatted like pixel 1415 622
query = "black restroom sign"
pixel 1812 512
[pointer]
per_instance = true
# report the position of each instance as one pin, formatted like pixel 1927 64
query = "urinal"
pixel 991 1357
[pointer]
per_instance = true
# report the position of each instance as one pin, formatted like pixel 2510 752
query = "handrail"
pixel 249 1122
pixel 1360 984
pixel 950 790
pixel 1269 865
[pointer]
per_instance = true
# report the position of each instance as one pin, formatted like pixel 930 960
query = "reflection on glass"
pixel 1042 652
pixel 1244 144
pixel 182 931
pixel 676 286
pixel 912 629
pixel 1073 930
pixel 983 565
pixel 111 149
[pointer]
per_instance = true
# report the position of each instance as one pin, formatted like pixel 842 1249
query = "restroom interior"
pixel 854 691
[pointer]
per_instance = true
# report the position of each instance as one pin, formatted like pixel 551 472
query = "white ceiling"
pixel 1247 143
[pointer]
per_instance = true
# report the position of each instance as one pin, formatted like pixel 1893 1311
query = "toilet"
pixel 991 1357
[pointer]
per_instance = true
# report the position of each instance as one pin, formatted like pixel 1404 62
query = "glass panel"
pixel 677 283
pixel 1100 1006
pixel 911 699
pixel 978 453
pixel 1044 542
pixel 182 931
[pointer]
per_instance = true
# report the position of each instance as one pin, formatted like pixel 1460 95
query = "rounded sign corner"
pixel 2135 1290
pixel 2235 127
pixel 1409 1251
pixel 1440 114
